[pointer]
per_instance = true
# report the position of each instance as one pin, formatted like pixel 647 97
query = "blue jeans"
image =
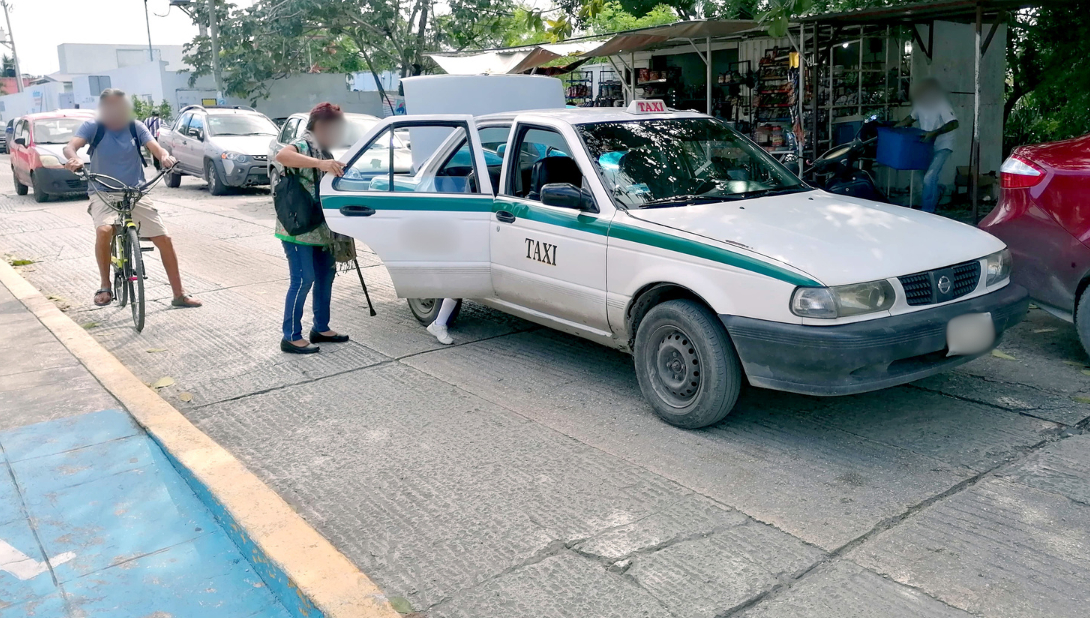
pixel 931 180
pixel 309 267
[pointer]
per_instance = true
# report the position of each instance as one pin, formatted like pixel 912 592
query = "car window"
pixel 182 122
pixel 675 162
pixel 493 140
pixel 287 134
pixel 544 158
pixel 195 128
pixel 22 130
pixel 370 170
pixel 240 124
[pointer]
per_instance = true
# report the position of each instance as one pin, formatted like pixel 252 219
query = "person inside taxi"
pixel 117 154
pixel 932 110
pixel 311 262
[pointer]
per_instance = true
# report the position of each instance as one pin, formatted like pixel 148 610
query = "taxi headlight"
pixel 999 267
pixel 235 156
pixel 843 301
pixel 49 161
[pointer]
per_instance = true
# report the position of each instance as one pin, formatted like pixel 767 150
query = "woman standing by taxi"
pixel 310 256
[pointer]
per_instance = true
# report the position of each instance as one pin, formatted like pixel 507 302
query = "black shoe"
pixel 316 337
pixel 291 348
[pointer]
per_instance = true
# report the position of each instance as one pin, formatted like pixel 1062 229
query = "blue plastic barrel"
pixel 901 149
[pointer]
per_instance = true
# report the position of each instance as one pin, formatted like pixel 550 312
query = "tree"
pixel 8 69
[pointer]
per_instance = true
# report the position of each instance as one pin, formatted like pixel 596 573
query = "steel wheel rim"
pixel 676 370
pixel 424 305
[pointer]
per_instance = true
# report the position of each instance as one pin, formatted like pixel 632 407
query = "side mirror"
pixel 21 141
pixel 567 195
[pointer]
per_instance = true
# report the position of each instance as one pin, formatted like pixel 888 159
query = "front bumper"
pixel 57 181
pixel 863 356
pixel 248 174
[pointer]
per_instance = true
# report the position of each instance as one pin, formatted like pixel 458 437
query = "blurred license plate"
pixel 972 333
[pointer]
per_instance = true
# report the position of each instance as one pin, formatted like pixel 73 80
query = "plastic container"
pixel 901 149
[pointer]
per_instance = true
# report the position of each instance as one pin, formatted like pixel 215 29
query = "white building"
pixel 85 58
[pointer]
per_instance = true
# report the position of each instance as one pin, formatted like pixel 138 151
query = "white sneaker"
pixel 440 332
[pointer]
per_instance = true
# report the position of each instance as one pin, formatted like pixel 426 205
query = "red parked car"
pixel 36 157
pixel 1044 217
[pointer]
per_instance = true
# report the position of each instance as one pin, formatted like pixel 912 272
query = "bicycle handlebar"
pixel 118 185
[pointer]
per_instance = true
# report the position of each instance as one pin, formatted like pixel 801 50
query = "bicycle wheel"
pixel 136 279
pixel 121 268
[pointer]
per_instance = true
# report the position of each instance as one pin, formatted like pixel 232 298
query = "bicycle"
pixel 126 254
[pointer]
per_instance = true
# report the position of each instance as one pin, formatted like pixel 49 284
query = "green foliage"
pixel 8 69
pixel 614 18
pixel 142 109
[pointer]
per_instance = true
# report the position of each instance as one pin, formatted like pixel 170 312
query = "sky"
pixel 41 25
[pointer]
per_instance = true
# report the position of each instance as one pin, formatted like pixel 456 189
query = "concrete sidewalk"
pixel 94 520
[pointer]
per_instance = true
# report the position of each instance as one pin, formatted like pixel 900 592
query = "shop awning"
pixel 509 61
pixel 637 40
pixel 920 12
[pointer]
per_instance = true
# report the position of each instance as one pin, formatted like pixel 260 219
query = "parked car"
pixel 1043 215
pixel 37 159
pixel 5 137
pixel 669 235
pixel 224 145
pixel 357 125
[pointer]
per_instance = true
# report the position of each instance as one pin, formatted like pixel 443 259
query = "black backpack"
pixel 100 131
pixel 296 208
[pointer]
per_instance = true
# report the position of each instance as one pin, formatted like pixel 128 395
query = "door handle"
pixel 357 211
pixel 505 217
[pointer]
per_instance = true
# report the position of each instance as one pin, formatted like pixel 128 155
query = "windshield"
pixel 240 124
pixel 356 127
pixel 56 130
pixel 674 162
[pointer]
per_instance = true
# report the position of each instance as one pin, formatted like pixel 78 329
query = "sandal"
pixel 185 300
pixel 104 291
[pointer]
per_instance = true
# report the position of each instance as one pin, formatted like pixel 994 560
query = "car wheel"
pixel 686 364
pixel 20 188
pixel 1082 320
pixel 216 186
pixel 274 177
pixel 174 180
pixel 39 194
pixel 425 310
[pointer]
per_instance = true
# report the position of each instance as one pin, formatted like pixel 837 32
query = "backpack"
pixel 100 131
pixel 296 208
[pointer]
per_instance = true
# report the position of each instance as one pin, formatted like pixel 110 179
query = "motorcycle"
pixel 839 170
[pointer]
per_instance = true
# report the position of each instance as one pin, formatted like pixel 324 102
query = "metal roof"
pixel 946 10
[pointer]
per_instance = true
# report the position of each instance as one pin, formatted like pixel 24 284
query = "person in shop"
pixel 932 110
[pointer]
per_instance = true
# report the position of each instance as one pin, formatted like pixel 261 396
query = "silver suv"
pixel 227 146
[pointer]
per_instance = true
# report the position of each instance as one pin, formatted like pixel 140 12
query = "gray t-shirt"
pixel 117 155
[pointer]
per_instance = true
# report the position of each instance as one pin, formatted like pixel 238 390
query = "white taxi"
pixel 668 235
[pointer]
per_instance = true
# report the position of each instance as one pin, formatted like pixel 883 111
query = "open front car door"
pixel 416 190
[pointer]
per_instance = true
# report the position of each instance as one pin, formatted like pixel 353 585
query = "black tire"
pixel 122 272
pixel 274 177
pixel 425 310
pixel 39 195
pixel 1082 320
pixel 174 180
pixel 216 185
pixel 686 364
pixel 20 188
pixel 136 279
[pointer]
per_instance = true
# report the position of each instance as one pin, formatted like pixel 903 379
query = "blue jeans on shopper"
pixel 931 179
pixel 310 267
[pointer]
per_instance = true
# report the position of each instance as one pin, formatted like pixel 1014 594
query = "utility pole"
pixel 213 31
pixel 147 20
pixel 10 42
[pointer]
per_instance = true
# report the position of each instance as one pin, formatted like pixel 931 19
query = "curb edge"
pixel 309 576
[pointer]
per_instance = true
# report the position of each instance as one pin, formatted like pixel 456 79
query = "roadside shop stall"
pixel 802 94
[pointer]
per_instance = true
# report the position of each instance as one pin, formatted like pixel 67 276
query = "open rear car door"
pixel 424 210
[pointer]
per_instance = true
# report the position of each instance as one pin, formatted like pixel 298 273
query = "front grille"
pixel 925 289
pixel 261 157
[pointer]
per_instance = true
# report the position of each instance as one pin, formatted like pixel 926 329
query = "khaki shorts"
pixel 145 216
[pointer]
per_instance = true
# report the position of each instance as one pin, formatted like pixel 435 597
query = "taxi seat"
pixel 642 167
pixel 553 169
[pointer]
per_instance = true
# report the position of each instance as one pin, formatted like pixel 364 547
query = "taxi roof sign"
pixel 647 106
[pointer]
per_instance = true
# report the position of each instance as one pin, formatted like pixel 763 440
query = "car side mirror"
pixel 21 141
pixel 567 195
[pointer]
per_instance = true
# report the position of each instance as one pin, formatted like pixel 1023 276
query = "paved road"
pixel 519 473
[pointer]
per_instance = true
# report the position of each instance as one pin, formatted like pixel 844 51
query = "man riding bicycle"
pixel 116 140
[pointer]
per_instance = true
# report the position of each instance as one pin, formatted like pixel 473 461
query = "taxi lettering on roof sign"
pixel 649 106
pixel 680 241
